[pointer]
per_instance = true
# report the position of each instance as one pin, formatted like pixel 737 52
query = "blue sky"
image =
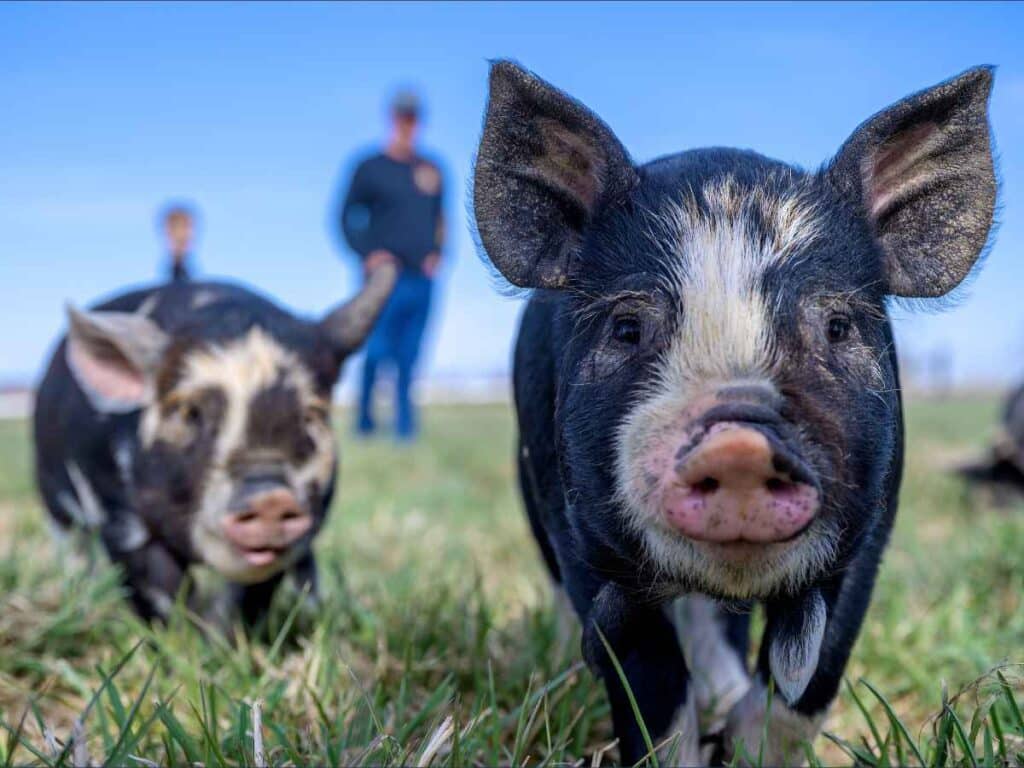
pixel 255 112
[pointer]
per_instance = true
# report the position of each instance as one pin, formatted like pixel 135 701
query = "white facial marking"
pixel 240 370
pixel 724 335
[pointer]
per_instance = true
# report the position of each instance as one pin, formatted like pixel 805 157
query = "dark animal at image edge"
pixel 190 423
pixel 707 391
pixel 1001 472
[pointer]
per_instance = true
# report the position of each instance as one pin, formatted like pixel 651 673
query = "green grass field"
pixel 437 639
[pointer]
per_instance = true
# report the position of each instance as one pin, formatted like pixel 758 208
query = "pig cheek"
pixel 661 443
pixel 167 486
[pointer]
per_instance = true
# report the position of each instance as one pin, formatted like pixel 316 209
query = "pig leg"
pixel 153 576
pixel 804 651
pixel 643 640
pixel 252 601
pixel 306 579
pixel 715 642
pixel 565 620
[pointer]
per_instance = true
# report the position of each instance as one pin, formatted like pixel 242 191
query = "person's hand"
pixel 378 258
pixel 430 263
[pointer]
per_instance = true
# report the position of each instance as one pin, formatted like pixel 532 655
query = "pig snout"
pixel 265 523
pixel 739 483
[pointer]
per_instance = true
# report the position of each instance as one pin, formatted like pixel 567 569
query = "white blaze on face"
pixel 719 260
pixel 241 370
pixel 719 253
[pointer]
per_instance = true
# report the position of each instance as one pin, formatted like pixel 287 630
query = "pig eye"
pixel 190 414
pixel 838 329
pixel 626 330
pixel 315 414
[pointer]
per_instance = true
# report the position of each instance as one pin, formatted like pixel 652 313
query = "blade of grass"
pixel 895 722
pixel 1011 701
pixel 629 695
pixel 115 753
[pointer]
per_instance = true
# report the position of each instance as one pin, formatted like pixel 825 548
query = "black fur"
pixel 156 487
pixel 1001 472
pixel 598 240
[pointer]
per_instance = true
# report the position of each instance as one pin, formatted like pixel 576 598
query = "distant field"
pixel 437 640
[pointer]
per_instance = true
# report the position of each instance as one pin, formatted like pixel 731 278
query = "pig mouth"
pixel 259 557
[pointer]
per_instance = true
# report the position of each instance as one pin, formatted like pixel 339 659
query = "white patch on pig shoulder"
pixel 148 305
pixel 204 297
pixel 84 507
pixel 125 532
pixel 718 676
pixel 783 731
pixel 718 258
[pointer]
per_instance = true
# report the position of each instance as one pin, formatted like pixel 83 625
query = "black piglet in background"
pixel 190 423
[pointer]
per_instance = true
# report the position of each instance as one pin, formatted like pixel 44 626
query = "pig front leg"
pixel 715 640
pixel 643 640
pixel 252 601
pixel 153 577
pixel 804 651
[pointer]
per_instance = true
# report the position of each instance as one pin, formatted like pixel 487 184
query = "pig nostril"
pixel 707 485
pixel 290 514
pixel 246 517
pixel 777 485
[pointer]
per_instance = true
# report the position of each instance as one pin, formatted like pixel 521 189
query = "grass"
pixel 437 644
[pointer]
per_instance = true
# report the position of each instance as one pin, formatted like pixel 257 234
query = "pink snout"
pixel 270 523
pixel 728 489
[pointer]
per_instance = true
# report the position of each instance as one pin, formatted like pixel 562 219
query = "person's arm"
pixel 432 261
pixel 356 213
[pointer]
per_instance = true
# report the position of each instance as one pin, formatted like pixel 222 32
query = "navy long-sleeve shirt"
pixel 395 206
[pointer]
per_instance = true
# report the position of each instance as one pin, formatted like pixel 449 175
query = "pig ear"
pixel 546 165
pixel 114 357
pixel 348 325
pixel 922 172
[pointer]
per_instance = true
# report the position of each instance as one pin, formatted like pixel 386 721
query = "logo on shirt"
pixel 426 178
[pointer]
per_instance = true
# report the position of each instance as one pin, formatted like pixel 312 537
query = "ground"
pixel 436 640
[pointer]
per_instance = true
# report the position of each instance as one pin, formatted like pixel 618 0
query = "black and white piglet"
pixel 707 391
pixel 189 423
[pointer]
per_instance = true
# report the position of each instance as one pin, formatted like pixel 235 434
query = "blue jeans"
pixel 396 338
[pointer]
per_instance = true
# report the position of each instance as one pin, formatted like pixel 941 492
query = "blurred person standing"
pixel 393 211
pixel 178 224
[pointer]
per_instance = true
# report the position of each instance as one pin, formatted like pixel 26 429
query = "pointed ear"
pixel 114 357
pixel 546 165
pixel 348 325
pixel 923 174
